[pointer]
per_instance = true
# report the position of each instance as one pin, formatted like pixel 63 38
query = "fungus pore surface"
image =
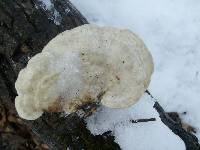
pixel 86 64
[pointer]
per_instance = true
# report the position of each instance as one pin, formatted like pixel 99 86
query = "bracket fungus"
pixel 88 64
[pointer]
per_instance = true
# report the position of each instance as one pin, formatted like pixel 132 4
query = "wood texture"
pixel 26 26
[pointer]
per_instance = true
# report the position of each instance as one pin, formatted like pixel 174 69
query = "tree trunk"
pixel 26 26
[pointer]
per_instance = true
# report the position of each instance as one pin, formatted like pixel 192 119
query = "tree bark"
pixel 26 26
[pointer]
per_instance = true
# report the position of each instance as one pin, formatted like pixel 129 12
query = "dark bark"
pixel 26 26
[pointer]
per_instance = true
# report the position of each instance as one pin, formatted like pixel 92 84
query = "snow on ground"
pixel 140 136
pixel 170 29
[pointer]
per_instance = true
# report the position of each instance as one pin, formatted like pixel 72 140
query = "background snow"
pixel 171 31
pixel 140 136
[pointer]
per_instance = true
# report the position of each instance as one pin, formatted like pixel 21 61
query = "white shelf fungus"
pixel 79 65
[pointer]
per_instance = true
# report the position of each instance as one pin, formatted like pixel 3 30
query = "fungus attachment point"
pixel 85 65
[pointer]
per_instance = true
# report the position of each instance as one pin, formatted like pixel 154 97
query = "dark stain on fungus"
pixel 56 106
pixel 100 95
pixel 117 77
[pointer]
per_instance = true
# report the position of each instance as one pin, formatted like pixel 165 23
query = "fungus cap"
pixel 85 64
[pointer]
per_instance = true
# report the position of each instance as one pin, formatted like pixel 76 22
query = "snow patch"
pixel 140 136
pixel 170 29
pixel 49 6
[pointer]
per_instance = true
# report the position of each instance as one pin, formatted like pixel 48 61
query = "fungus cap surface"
pixel 81 65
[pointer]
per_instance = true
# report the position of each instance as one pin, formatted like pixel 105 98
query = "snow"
pixel 140 136
pixel 55 15
pixel 170 29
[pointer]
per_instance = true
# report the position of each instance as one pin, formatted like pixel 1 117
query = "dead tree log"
pixel 26 26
